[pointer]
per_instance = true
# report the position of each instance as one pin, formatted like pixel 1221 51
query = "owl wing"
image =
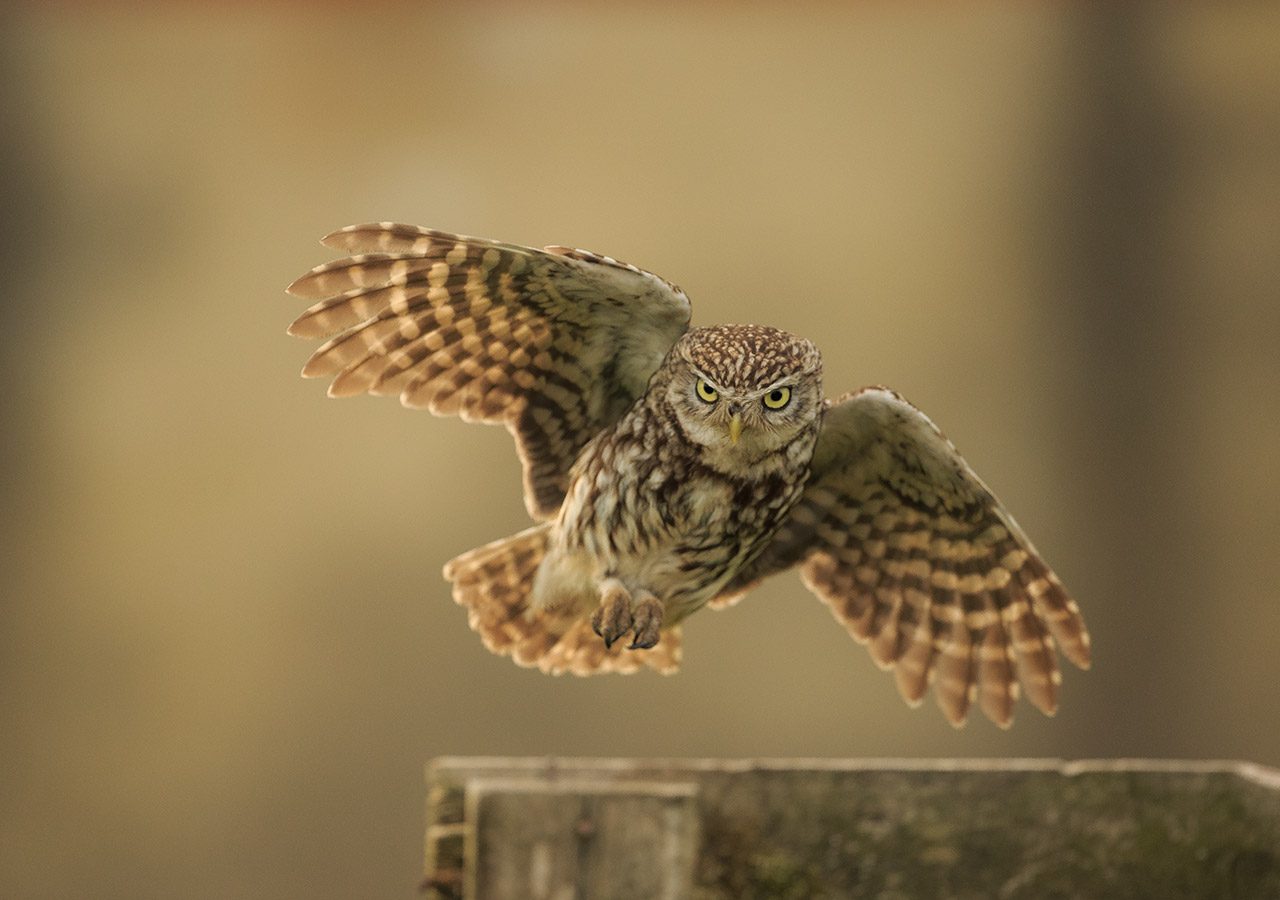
pixel 555 344
pixel 921 563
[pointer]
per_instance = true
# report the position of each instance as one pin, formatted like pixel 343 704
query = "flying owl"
pixel 671 468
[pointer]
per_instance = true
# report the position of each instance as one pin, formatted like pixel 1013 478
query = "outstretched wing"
pixel 555 344
pixel 920 562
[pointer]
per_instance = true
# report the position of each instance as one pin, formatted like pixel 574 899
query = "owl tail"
pixel 494 583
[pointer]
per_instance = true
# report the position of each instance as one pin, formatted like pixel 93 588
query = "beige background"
pixel 225 646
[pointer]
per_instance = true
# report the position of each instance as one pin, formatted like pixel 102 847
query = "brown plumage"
pixel 670 469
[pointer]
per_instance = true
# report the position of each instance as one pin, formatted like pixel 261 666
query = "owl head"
pixel 745 391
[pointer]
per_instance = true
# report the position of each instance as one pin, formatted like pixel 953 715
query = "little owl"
pixel 671 468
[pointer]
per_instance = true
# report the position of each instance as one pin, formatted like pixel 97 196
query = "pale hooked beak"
pixel 735 428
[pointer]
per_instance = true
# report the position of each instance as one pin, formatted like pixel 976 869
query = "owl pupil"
pixel 775 396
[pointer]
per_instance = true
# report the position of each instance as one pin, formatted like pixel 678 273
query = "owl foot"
pixel 619 612
pixel 612 618
pixel 646 616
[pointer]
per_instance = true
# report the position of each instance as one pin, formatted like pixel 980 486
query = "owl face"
pixel 745 391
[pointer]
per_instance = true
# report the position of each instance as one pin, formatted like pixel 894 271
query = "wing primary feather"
pixel 915 660
pixel 996 676
pixel 884 638
pixel 379 237
pixel 1033 655
pixel 362 271
pixel 953 685
pixel 1058 611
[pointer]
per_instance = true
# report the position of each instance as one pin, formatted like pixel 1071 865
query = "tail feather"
pixel 493 584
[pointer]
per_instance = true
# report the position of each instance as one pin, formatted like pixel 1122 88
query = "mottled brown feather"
pixel 918 560
pixel 554 344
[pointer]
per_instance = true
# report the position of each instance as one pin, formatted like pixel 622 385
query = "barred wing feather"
pixel 555 343
pixel 920 562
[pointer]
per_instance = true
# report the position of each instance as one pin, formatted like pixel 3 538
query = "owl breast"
pixel 646 507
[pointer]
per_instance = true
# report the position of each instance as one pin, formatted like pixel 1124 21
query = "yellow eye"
pixel 777 398
pixel 706 391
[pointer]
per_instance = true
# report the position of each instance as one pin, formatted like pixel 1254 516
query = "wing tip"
pixel 315 367
pixel 374 236
pixel 1046 704
pixel 298 287
pixel 913 702
pixel 336 239
pixel 301 328
pixel 1081 652
pixel 338 389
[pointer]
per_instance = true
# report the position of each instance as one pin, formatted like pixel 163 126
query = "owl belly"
pixel 681 538
pixel 687 546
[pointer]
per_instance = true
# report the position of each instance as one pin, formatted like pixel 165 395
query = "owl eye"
pixel 706 391
pixel 777 398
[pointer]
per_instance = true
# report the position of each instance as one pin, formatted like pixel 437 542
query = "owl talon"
pixel 612 618
pixel 646 614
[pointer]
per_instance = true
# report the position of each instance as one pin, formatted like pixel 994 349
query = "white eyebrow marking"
pixel 703 376
pixel 784 381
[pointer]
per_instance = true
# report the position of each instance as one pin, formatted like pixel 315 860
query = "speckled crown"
pixel 748 356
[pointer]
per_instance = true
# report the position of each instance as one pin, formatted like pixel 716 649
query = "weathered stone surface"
pixel 777 829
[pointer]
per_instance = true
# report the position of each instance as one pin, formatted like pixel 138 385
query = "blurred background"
pixel 226 650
